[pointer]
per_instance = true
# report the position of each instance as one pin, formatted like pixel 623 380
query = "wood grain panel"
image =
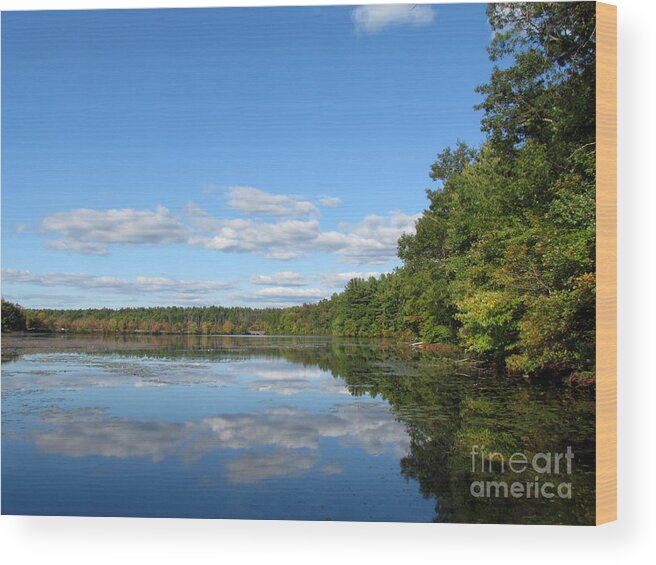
pixel 606 426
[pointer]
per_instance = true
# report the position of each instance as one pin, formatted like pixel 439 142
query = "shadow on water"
pixel 447 408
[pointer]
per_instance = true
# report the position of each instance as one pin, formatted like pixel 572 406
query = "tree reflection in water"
pixel 446 408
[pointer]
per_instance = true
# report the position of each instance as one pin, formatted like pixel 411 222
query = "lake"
pixel 283 428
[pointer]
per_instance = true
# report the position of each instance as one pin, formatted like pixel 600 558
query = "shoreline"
pixel 15 344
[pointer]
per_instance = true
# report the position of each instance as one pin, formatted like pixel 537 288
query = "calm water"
pixel 279 428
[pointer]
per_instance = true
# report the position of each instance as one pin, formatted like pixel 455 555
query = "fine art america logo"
pixel 545 475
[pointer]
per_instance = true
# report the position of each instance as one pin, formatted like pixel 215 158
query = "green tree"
pixel 13 317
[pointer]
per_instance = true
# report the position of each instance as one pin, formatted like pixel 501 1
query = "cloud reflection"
pixel 256 467
pixel 80 433
pixel 277 442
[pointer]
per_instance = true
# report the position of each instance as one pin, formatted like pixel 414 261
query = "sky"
pixel 253 156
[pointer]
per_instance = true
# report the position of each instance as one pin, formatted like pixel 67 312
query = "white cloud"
pixel 250 200
pixel 284 295
pixel 377 17
pixel 47 300
pixel 282 255
pixel 285 278
pixel 83 247
pixel 330 201
pixel 211 188
pixel 373 241
pixel 244 236
pixel 335 280
pixel 114 284
pixel 200 219
pixel 85 230
pixel 284 240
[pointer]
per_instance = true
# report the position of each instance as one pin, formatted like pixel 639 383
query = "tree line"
pixel 502 263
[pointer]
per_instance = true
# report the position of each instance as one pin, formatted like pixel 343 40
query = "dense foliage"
pixel 308 319
pixel 13 317
pixel 503 259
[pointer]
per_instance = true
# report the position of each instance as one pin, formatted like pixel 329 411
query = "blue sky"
pixel 254 156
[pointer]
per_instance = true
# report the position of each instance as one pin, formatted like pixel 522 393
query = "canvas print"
pixel 306 263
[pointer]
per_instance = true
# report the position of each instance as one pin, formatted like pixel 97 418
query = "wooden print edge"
pixel 606 232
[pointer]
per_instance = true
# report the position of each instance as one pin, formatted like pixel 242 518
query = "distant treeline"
pixel 503 260
pixel 176 319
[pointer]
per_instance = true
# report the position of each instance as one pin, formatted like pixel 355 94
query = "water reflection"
pixel 85 432
pixel 335 429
